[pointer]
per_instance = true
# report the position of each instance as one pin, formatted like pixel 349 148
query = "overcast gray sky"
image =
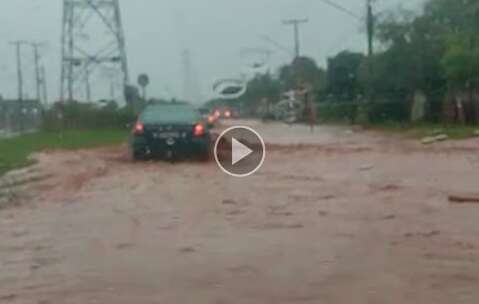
pixel 213 30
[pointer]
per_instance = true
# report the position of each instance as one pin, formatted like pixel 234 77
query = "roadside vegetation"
pixel 423 130
pixel 15 151
pixel 67 127
pixel 424 70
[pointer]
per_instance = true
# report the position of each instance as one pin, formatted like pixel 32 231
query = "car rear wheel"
pixel 137 156
pixel 205 156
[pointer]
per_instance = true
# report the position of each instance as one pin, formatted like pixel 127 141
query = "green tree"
pixel 412 59
pixel 343 75
pixel 302 70
pixel 413 46
pixel 461 61
pixel 262 86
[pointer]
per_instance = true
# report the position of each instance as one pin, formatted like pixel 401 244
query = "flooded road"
pixel 333 216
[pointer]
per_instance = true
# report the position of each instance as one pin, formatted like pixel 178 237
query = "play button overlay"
pixel 239 151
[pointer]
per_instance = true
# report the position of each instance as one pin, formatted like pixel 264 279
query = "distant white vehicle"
pixel 288 110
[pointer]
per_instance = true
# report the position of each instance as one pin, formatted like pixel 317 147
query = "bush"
pixel 379 112
pixel 76 115
pixel 342 112
pixel 384 111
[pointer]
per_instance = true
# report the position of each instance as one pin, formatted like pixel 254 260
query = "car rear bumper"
pixel 175 148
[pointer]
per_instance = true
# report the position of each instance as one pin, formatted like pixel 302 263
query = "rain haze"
pixel 239 151
pixel 214 32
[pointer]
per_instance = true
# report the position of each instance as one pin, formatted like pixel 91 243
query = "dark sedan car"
pixel 170 131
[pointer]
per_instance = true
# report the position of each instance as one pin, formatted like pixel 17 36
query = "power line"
pixel 342 9
pixel 276 44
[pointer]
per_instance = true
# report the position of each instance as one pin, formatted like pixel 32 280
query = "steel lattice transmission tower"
pixel 92 42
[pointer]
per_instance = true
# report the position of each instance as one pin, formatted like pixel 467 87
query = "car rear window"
pixel 169 115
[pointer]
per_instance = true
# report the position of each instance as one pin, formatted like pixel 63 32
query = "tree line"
pixel 431 56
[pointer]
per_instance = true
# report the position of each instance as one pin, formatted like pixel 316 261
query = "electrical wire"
pixel 342 9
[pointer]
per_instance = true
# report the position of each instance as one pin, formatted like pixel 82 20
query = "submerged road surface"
pixel 333 216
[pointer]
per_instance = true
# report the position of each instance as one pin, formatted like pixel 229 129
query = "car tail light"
pixel 139 128
pixel 228 114
pixel 217 114
pixel 199 130
pixel 211 119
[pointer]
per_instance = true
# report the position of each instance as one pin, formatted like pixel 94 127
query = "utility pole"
pixel 370 27
pixel 39 76
pixel 44 85
pixel 38 80
pixel 87 82
pixel 296 23
pixel 18 49
pixel 370 37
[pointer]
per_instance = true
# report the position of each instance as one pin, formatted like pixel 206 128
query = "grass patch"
pixel 423 130
pixel 14 152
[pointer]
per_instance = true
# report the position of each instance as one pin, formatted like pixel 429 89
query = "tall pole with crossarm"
pixel 296 23
pixel 18 51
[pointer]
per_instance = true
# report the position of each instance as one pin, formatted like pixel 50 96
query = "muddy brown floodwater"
pixel 332 217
